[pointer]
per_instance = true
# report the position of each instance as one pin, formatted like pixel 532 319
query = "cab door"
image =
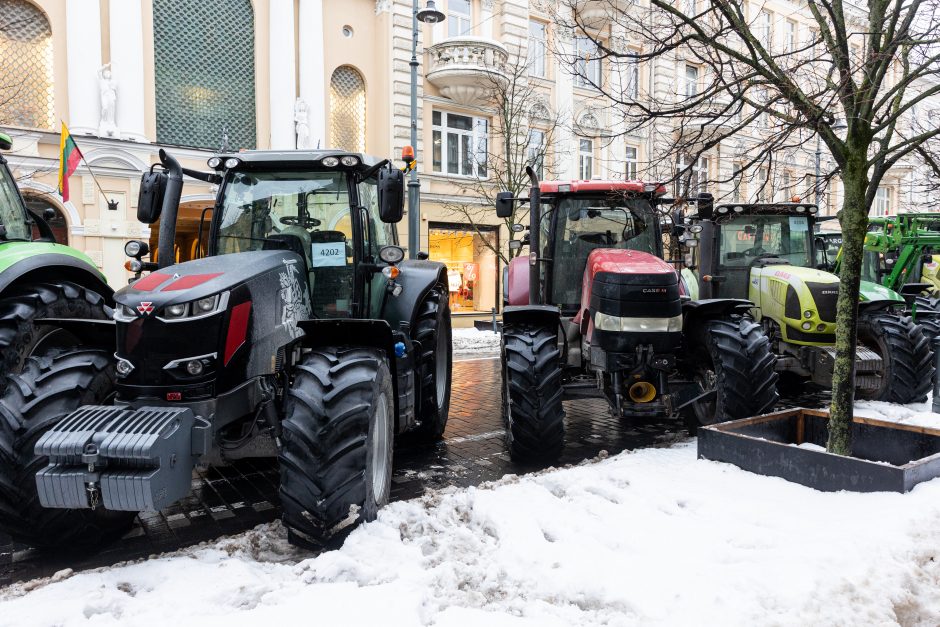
pixel 375 235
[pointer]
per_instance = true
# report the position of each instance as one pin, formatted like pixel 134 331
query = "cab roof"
pixel 637 187
pixel 262 158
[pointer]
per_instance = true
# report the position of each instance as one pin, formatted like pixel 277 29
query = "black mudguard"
pixel 93 333
pixel 704 309
pixel 546 316
pixel 416 279
pixel 870 306
pixel 54 267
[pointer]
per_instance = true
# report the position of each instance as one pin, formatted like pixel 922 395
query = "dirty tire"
pixel 734 355
pixel 927 303
pixel 336 441
pixel 21 337
pixel 905 351
pixel 48 389
pixel 531 387
pixel 434 363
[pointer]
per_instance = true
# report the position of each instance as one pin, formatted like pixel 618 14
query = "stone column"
pixel 312 79
pixel 127 67
pixel 83 47
pixel 283 92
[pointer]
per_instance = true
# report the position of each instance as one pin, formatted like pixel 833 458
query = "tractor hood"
pixel 192 280
pixel 874 292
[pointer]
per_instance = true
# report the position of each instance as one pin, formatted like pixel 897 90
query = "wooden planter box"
pixel 887 457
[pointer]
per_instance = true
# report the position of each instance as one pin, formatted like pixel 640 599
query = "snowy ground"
pixel 472 342
pixel 654 537
pixel 919 414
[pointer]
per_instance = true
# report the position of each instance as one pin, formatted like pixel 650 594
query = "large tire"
pixel 531 388
pixel 48 389
pixel 733 357
pixel 21 336
pixel 905 353
pixel 434 363
pixel 336 452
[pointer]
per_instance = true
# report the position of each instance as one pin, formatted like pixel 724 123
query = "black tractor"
pixel 303 334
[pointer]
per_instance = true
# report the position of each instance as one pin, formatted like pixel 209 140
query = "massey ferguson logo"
pixel 145 308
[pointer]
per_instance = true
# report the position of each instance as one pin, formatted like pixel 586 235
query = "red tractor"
pixel 595 311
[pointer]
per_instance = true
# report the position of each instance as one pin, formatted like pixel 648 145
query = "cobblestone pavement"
pixel 232 499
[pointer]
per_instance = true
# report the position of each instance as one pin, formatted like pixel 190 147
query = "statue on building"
pixel 107 89
pixel 301 124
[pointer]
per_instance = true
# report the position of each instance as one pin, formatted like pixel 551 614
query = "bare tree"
pixel 853 79
pixel 522 132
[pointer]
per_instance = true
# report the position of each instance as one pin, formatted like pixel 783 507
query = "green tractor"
pixel 40 280
pixel 766 254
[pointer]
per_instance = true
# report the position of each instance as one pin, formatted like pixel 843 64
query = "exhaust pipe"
pixel 170 210
pixel 535 205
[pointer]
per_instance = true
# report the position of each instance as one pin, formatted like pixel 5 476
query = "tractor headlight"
pixel 801 209
pixel 176 311
pixel 722 210
pixel 195 309
pixel 214 162
pixel 330 162
pixel 807 326
pixel 738 209
pixel 695 228
pixel 607 322
pixel 820 327
pixel 232 162
pixel 808 314
pixel 205 305
pixel 349 161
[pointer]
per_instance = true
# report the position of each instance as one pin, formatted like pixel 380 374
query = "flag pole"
pixel 112 204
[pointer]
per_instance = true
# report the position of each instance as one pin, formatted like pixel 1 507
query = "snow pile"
pixel 919 414
pixel 469 341
pixel 655 537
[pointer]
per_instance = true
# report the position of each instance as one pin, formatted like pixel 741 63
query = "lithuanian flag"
pixel 69 156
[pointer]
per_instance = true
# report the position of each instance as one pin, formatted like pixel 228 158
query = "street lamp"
pixel 428 15
pixel 836 126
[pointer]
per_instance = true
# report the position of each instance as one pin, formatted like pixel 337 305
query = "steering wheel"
pixel 757 251
pixel 307 223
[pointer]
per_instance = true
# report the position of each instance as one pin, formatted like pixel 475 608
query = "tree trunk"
pixel 854 221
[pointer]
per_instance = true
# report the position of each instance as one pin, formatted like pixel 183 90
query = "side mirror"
pixel 705 205
pixel 820 244
pixel 48 214
pixel 391 195
pixel 150 200
pixel 504 205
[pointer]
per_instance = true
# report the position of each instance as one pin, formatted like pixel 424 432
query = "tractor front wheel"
pixel 733 361
pixel 22 336
pixel 336 453
pixel 435 358
pixel 905 354
pixel 49 388
pixel 531 386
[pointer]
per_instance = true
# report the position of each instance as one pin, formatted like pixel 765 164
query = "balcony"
pixel 596 14
pixel 467 69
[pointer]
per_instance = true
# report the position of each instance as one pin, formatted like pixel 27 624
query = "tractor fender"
pixel 416 279
pixel 869 306
pixel 93 333
pixel 694 311
pixel 321 333
pixel 54 267
pixel 545 316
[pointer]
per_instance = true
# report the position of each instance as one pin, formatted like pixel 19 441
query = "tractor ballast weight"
pixel 603 315
pixel 304 334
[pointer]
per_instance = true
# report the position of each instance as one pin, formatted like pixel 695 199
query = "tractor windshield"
pixel 12 215
pixel 285 209
pixel 583 224
pixel 749 237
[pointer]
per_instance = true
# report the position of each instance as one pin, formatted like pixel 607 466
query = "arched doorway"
pixel 57 223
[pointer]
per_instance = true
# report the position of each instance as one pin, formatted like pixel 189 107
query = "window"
pixel 585 159
pixel 202 95
pixel 689 8
pixel 785 184
pixel 883 201
pixel 347 110
pixel 790 31
pixel 761 191
pixel 692 181
pixel 535 151
pixel 737 173
pixel 632 80
pixel 691 80
pixel 469 252
pixel 459 144
pixel 26 66
pixel 458 18
pixel 761 97
pixel 587 66
pixel 537 46
pixel 630 160
pixel 763 29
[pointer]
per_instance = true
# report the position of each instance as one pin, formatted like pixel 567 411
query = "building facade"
pixel 196 77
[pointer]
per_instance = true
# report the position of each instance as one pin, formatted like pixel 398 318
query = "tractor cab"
pixel 16 221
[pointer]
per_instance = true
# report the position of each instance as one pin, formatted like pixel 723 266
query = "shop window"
pixel 347 110
pixel 25 65
pixel 459 144
pixel 472 264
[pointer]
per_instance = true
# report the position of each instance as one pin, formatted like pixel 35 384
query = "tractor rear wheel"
pixel 905 354
pixel 21 336
pixel 434 361
pixel 336 452
pixel 733 358
pixel 49 388
pixel 531 387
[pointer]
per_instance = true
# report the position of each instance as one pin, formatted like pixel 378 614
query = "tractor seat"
pixel 332 276
pixel 288 241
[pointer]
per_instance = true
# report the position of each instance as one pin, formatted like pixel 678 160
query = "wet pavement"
pixel 231 499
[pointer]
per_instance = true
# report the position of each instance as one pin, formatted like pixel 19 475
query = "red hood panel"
pixel 625 262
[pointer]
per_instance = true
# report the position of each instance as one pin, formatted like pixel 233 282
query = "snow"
pixel 474 341
pixel 653 537
pixel 918 414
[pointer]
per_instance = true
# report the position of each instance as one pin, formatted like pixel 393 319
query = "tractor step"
pixel 119 458
pixel 867 366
